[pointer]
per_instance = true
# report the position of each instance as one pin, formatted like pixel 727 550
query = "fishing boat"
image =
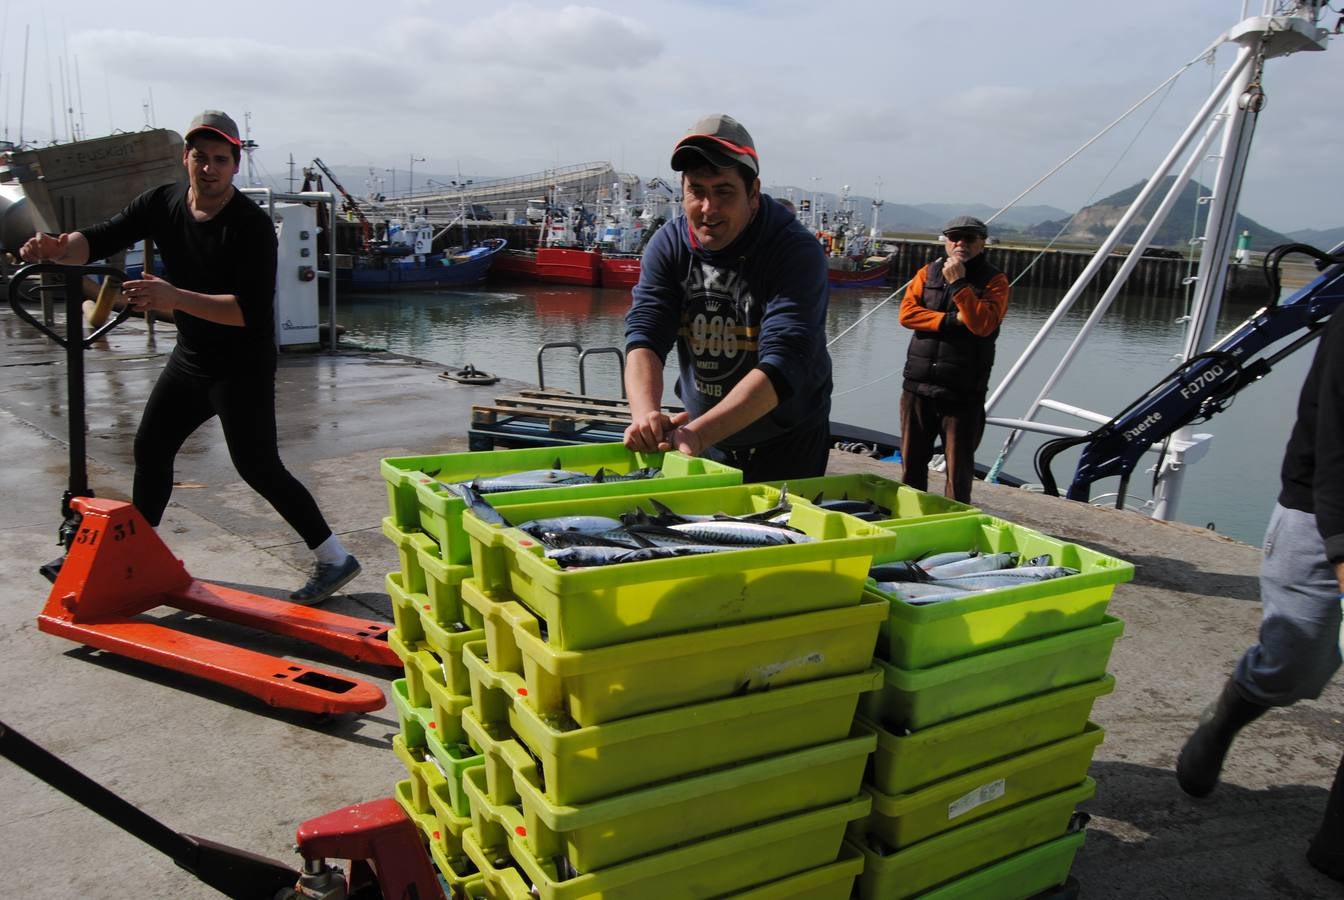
pixel 872 271
pixel 406 259
pixel 1209 371
pixel 851 262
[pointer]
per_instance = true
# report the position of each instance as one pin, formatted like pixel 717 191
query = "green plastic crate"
pixel 414 720
pixel 446 712
pixel 1024 874
pixel 603 833
pixel 832 881
pixel 905 819
pixel 917 637
pixel 912 699
pixel 597 606
pixel 903 763
pixel 906 503
pixel 450 764
pixel 710 868
pixel 623 680
pixel 955 853
pixel 578 765
pixel 443 585
pixel 417 498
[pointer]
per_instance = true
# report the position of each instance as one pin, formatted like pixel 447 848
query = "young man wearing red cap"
pixel 739 285
pixel 219 250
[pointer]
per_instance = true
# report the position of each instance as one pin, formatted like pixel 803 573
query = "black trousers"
pixel 799 454
pixel 960 425
pixel 179 404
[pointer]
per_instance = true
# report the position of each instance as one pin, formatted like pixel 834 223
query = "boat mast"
pixel 1231 110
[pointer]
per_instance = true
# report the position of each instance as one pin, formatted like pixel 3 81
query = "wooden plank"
pixel 515 412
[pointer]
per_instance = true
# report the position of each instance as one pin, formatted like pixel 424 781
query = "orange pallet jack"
pixel 118 568
pixel 387 856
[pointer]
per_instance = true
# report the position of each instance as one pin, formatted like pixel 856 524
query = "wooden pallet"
pixel 532 418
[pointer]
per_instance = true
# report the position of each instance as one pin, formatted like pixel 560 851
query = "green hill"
pixel 1186 220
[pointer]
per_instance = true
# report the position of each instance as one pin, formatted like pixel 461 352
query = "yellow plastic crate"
pixel 918 698
pixel 446 713
pixel 578 765
pixel 408 557
pixel 905 762
pixel 443 585
pixel 431 652
pixel 904 819
pixel 453 761
pixel 905 503
pixel 417 496
pixel 445 844
pixel 597 606
pixel 917 637
pixel 955 853
pixel 625 826
pixel 832 881
pixel 623 680
pixel 711 868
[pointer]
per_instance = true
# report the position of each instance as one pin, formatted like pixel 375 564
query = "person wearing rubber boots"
pixel 1301 590
pixel 219 252
pixel 740 287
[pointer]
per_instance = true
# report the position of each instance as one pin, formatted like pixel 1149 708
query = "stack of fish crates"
pixel 982 721
pixel 432 625
pixel 679 727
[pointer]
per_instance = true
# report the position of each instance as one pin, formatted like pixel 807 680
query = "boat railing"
pixel 583 358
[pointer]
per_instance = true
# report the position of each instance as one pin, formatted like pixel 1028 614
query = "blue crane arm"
pixel 1203 385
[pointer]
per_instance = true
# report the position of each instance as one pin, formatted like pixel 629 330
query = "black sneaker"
pixel 326 580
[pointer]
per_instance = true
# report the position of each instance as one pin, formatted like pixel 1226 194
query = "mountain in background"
pixel 1018 218
pixel 1186 220
pixel 1323 239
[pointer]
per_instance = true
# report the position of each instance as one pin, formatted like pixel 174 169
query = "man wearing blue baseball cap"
pixel 739 286
pixel 219 252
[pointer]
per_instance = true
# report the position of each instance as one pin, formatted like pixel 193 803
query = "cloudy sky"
pixel 943 103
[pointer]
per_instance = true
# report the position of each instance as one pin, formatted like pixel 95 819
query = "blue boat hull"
pixel 435 270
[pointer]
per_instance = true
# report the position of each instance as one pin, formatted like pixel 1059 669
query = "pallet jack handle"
pixel 235 873
pixel 70 280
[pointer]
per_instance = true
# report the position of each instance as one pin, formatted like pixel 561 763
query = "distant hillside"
pixel 1093 223
pixel 1326 239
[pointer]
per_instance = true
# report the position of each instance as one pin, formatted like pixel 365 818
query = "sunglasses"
pixel 965 237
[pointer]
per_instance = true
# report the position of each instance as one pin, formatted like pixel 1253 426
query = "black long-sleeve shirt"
pixel 232 253
pixel 1313 464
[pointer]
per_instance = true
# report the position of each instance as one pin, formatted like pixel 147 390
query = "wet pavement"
pixel 211 762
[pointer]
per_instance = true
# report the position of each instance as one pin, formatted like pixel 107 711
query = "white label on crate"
pixel 978 797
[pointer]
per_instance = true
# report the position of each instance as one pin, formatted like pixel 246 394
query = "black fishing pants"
pixel 180 403
pixel 801 453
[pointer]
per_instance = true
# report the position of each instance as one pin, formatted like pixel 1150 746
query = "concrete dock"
pixel 211 762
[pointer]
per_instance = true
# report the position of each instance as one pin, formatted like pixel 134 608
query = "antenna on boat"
pixel 23 91
pixel 249 146
pixel 877 205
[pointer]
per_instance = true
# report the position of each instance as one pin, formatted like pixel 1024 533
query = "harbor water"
pixel 499 328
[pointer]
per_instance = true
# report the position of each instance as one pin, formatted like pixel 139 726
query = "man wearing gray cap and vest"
pixel 219 253
pixel 739 285
pixel 954 306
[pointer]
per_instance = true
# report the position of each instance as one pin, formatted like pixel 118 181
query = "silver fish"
pixel 1005 577
pixel 582 524
pixel 740 533
pixel 478 505
pixel 898 571
pixel 986 563
pixel 942 559
pixel 910 591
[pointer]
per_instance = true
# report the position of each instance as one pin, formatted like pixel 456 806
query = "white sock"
pixel 331 551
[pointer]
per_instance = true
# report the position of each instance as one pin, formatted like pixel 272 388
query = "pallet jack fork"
pixel 386 853
pixel 118 568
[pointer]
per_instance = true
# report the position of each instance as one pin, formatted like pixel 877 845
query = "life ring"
pixel 469 375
